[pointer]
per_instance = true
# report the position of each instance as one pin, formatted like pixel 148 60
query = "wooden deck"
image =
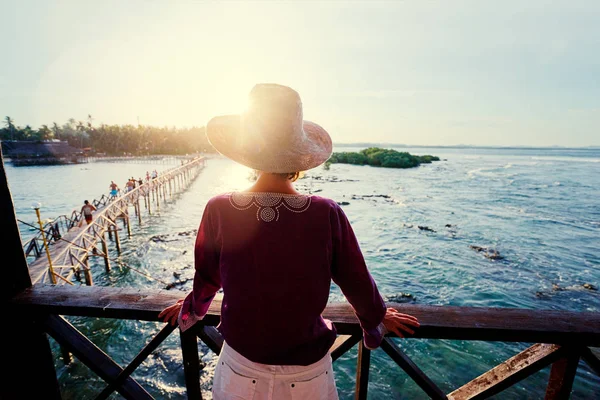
pixel 561 338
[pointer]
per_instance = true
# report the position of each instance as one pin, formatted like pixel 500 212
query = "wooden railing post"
pixel 362 371
pixel 138 210
pixel 191 364
pixel 31 371
pixel 115 229
pixel 128 224
pixel 87 272
pixel 562 376
pixel 105 251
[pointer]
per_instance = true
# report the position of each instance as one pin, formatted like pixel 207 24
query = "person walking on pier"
pixel 275 252
pixel 87 210
pixel 130 185
pixel 114 190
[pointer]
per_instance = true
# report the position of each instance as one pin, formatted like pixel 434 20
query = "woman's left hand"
pixel 171 313
pixel 400 324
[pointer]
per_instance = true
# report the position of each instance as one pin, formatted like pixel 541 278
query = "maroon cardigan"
pixel 275 255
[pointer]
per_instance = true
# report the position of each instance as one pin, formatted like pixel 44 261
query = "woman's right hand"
pixel 171 313
pixel 399 323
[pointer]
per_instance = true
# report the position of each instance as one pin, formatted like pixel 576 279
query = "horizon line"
pixel 474 146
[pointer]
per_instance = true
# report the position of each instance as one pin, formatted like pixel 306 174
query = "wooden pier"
pixel 71 250
pixel 154 159
pixel 33 313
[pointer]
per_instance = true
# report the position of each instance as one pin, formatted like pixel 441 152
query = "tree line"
pixel 113 139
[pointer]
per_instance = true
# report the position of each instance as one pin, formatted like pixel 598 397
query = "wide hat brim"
pixel 227 135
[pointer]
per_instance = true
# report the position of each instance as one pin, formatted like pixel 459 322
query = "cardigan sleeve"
pixel 350 273
pixel 207 277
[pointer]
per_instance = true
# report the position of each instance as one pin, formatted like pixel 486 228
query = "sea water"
pixel 538 208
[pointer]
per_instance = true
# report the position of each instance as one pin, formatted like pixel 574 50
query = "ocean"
pixel 539 209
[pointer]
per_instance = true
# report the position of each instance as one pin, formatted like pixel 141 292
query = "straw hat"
pixel 271 135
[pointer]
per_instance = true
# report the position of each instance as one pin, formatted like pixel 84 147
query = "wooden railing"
pixel 155 159
pixel 560 338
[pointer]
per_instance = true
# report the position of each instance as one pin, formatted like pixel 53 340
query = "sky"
pixel 423 72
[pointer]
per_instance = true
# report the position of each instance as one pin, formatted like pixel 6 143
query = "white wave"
pixel 567 159
pixel 475 171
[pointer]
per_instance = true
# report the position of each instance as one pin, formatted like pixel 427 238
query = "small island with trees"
pixel 378 157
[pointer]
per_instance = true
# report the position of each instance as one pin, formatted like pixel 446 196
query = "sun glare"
pixel 237 177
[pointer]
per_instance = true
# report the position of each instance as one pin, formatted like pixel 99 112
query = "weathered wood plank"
pixel 191 364
pixel 92 356
pixel 437 322
pixel 562 375
pixel 362 372
pixel 342 344
pixel 411 369
pixel 509 372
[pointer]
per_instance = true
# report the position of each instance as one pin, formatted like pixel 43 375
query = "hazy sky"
pixel 523 72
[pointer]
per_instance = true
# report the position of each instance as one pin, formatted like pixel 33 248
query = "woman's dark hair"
pixel 292 176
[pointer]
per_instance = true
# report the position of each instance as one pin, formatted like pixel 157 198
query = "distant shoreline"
pixel 396 145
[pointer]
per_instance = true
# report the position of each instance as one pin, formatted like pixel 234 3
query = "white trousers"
pixel 238 378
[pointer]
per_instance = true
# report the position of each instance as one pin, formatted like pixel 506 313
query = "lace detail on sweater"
pixel 268 204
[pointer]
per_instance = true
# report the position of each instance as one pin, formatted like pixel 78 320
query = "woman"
pixel 274 252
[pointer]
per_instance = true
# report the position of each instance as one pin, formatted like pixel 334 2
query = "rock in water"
pixel 557 288
pixel 400 298
pixel 493 255
pixel 589 286
pixel 488 253
pixel 426 228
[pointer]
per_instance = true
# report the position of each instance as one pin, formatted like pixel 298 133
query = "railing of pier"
pixel 52 230
pixel 71 256
pixel 156 159
pixel 55 228
pixel 558 338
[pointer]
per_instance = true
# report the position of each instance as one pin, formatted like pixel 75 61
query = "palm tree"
pixel 80 128
pixel 45 133
pixel 10 124
pixel 56 130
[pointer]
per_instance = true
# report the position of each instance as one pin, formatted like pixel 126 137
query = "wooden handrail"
pixel 437 322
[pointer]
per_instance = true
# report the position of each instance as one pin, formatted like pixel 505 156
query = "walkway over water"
pixel 69 254
pixel 157 159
